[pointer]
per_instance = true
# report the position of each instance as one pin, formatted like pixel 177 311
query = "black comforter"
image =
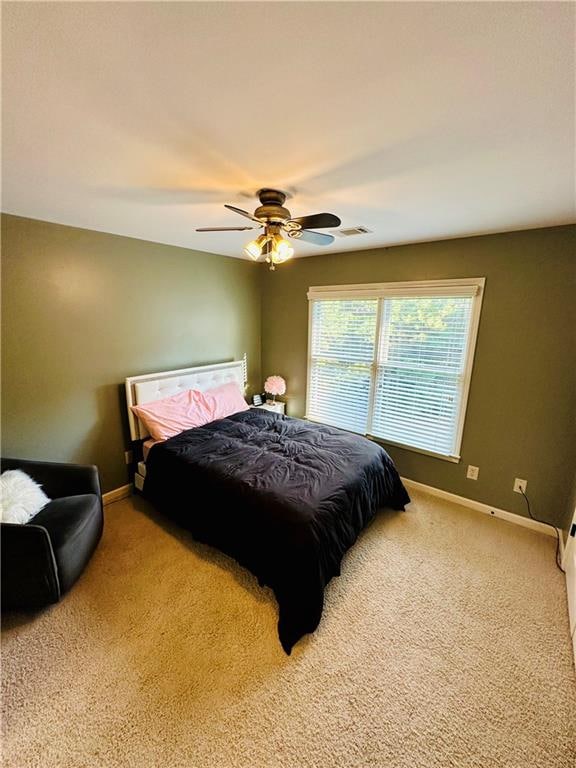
pixel 286 498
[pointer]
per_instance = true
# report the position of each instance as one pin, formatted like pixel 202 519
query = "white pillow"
pixel 20 497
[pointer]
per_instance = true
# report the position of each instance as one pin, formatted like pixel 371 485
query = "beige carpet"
pixel 444 643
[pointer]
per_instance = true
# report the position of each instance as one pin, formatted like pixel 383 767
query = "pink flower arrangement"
pixel 275 385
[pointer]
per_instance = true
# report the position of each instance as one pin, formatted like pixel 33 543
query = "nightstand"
pixel 276 407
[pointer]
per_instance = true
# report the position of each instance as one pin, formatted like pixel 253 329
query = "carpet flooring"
pixel 444 643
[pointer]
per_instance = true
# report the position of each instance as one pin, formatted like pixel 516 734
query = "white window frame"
pixel 466 286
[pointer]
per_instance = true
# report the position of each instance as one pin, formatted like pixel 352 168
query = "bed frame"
pixel 156 386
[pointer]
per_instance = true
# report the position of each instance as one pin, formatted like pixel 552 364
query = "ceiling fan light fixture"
pixel 275 219
pixel 254 247
pixel 281 249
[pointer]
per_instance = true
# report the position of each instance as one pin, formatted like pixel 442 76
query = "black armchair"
pixel 42 559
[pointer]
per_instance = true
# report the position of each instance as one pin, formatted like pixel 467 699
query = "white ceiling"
pixel 419 121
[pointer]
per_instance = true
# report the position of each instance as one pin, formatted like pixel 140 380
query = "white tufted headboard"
pixel 156 386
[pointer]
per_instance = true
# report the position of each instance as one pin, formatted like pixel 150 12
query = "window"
pixel 394 360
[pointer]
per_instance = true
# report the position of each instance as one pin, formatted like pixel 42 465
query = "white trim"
pixel 309 359
pixel 374 366
pixel 486 509
pixel 245 368
pixel 460 286
pixel 569 566
pixel 469 365
pixel 565 548
pixel 463 287
pixel 118 493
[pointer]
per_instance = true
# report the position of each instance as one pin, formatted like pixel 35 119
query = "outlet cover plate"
pixel 472 473
pixel 520 485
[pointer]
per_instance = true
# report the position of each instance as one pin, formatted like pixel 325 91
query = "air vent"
pixel 351 231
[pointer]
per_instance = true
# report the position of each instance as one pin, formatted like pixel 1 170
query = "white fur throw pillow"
pixel 20 497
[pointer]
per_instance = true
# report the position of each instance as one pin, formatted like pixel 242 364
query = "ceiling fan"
pixel 274 219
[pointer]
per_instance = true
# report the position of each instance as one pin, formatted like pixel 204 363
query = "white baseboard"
pixel 117 494
pixel 486 509
pixel 126 490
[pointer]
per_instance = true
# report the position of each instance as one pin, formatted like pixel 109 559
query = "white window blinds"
pixel 342 350
pixel 394 360
pixel 420 370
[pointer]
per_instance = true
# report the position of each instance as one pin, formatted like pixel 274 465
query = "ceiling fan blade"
pixel 242 213
pixel 317 238
pixel 224 229
pixel 317 221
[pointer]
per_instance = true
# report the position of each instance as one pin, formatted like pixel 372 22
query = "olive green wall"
pixel 522 404
pixel 82 310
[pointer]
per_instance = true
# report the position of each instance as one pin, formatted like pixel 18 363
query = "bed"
pixel 284 497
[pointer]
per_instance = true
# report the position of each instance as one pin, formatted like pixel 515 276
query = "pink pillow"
pixel 172 415
pixel 225 400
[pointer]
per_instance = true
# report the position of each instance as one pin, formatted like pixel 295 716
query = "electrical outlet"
pixel 128 457
pixel 520 485
pixel 472 473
